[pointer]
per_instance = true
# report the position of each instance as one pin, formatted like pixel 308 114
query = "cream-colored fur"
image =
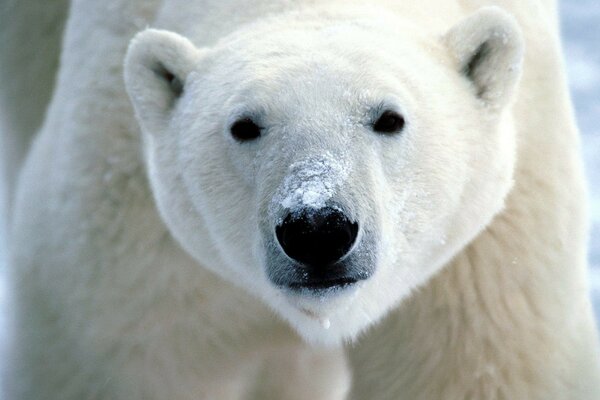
pixel 138 234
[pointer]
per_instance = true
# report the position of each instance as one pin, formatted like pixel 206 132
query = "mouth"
pixel 322 284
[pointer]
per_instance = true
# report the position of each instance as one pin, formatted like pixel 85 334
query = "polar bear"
pixel 325 200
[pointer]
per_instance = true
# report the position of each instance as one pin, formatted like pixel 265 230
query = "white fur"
pixel 140 234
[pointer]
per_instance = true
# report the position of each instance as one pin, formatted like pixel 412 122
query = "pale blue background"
pixel 581 33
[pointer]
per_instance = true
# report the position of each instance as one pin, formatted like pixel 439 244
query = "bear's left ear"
pixel 156 67
pixel 488 47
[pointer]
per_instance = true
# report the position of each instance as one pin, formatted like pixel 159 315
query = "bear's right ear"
pixel 156 67
pixel 488 47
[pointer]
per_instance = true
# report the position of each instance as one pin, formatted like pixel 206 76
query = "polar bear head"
pixel 329 164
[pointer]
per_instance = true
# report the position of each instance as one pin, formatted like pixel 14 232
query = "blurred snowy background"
pixel 581 34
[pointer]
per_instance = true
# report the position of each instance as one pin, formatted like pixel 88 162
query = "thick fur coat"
pixel 144 259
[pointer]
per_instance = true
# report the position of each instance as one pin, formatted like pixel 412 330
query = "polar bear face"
pixel 328 167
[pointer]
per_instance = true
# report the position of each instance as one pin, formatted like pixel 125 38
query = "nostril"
pixel 317 237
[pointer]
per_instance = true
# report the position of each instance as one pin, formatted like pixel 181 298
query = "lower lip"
pixel 333 285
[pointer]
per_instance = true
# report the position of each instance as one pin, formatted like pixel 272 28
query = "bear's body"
pixel 123 291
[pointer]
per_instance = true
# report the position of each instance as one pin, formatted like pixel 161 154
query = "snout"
pixel 319 241
pixel 317 238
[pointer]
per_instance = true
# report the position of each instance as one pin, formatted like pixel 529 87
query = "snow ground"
pixel 581 28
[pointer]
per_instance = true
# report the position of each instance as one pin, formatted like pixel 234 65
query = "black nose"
pixel 317 237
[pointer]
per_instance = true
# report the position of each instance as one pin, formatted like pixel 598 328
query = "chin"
pixel 322 317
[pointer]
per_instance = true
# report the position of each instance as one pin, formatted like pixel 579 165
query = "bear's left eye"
pixel 245 129
pixel 389 122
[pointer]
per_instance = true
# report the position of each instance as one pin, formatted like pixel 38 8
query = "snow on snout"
pixel 311 182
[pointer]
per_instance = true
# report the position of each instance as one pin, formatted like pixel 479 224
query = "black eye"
pixel 389 122
pixel 245 129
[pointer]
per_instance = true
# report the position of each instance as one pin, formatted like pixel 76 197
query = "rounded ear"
pixel 156 67
pixel 488 47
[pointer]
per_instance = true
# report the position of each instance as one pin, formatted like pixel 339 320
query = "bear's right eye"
pixel 244 130
pixel 389 122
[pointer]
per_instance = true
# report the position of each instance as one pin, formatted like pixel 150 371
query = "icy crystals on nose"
pixel 311 182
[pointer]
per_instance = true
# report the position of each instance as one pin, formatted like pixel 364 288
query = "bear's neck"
pixel 508 318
